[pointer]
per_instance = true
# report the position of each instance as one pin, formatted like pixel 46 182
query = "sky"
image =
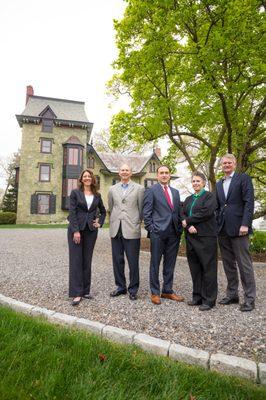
pixel 64 49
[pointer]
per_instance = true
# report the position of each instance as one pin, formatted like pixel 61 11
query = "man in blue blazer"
pixel 161 214
pixel 235 199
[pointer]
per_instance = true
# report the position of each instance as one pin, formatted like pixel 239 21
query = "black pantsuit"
pixel 131 247
pixel 202 247
pixel 80 256
pixel 81 220
pixel 202 261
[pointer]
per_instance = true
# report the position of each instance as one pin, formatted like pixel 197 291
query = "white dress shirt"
pixel 89 199
pixel 226 183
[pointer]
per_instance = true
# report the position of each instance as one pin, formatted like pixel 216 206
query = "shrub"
pixel 7 218
pixel 258 242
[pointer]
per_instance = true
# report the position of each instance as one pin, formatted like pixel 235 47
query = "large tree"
pixel 194 73
pixel 8 170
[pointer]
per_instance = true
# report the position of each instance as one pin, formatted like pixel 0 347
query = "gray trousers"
pixel 130 247
pixel 235 253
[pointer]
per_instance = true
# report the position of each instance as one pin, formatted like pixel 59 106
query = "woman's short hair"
pixel 200 174
pixel 93 181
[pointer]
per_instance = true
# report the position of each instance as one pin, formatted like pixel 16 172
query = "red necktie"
pixel 168 198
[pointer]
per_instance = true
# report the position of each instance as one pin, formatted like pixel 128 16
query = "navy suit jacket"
pixel 157 213
pixel 80 215
pixel 237 209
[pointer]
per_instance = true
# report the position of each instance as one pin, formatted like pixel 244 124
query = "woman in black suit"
pixel 198 220
pixel 86 214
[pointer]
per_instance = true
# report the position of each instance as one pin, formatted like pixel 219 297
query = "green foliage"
pixel 9 202
pixel 194 72
pixel 258 242
pixel 7 218
pixel 40 361
pixel 10 199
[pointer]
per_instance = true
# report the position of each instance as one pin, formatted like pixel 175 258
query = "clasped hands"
pixel 77 236
pixel 191 229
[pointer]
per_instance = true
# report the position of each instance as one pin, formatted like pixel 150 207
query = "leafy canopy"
pixel 194 73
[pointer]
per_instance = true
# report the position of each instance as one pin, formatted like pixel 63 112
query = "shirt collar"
pixel 229 177
pixel 199 194
pixel 125 185
pixel 163 186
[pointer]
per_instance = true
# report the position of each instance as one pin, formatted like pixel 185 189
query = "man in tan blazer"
pixel 125 201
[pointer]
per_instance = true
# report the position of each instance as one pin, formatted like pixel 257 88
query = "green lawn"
pixel 42 361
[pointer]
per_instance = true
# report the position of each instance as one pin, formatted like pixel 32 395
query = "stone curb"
pixel 222 363
pixel 232 365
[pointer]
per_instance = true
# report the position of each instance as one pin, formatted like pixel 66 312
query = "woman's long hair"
pixel 93 181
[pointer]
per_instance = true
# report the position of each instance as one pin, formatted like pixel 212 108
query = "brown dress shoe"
pixel 172 296
pixel 155 299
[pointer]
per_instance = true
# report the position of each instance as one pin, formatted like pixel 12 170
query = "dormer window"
pixel 91 162
pixel 47 119
pixel 47 125
pixel 152 167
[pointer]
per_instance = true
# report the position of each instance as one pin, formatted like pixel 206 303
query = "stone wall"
pixel 29 170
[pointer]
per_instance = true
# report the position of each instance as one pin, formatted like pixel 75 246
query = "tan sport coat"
pixel 126 208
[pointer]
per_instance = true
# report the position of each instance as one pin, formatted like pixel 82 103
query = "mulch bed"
pixel 145 246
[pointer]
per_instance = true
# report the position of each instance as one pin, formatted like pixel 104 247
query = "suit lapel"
pixel 220 190
pixel 83 198
pixel 173 197
pixel 161 192
pixel 129 189
pixel 233 181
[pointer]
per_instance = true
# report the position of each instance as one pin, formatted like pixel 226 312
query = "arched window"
pixel 91 162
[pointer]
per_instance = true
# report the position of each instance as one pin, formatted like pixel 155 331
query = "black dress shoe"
pixel 247 306
pixel 194 302
pixel 133 296
pixel 229 300
pixel 76 302
pixel 118 292
pixel 205 307
pixel 87 296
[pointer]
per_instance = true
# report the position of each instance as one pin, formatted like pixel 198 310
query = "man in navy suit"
pixel 235 199
pixel 161 214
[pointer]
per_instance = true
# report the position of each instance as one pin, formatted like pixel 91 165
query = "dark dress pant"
pixel 202 261
pixel 235 252
pixel 80 256
pixel 165 246
pixel 130 247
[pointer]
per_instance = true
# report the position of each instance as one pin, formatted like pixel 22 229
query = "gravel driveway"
pixel 34 269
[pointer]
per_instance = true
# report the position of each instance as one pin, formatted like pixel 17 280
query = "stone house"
pixel 55 149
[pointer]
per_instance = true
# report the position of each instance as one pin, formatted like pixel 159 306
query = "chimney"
pixel 158 152
pixel 29 92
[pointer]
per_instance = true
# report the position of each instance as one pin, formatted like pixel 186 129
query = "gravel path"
pixel 34 269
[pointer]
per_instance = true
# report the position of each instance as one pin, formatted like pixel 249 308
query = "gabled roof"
pixel 48 112
pixel 113 161
pixel 73 140
pixel 67 110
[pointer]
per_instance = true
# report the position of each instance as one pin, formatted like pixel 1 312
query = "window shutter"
pixel 34 204
pixel 52 204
